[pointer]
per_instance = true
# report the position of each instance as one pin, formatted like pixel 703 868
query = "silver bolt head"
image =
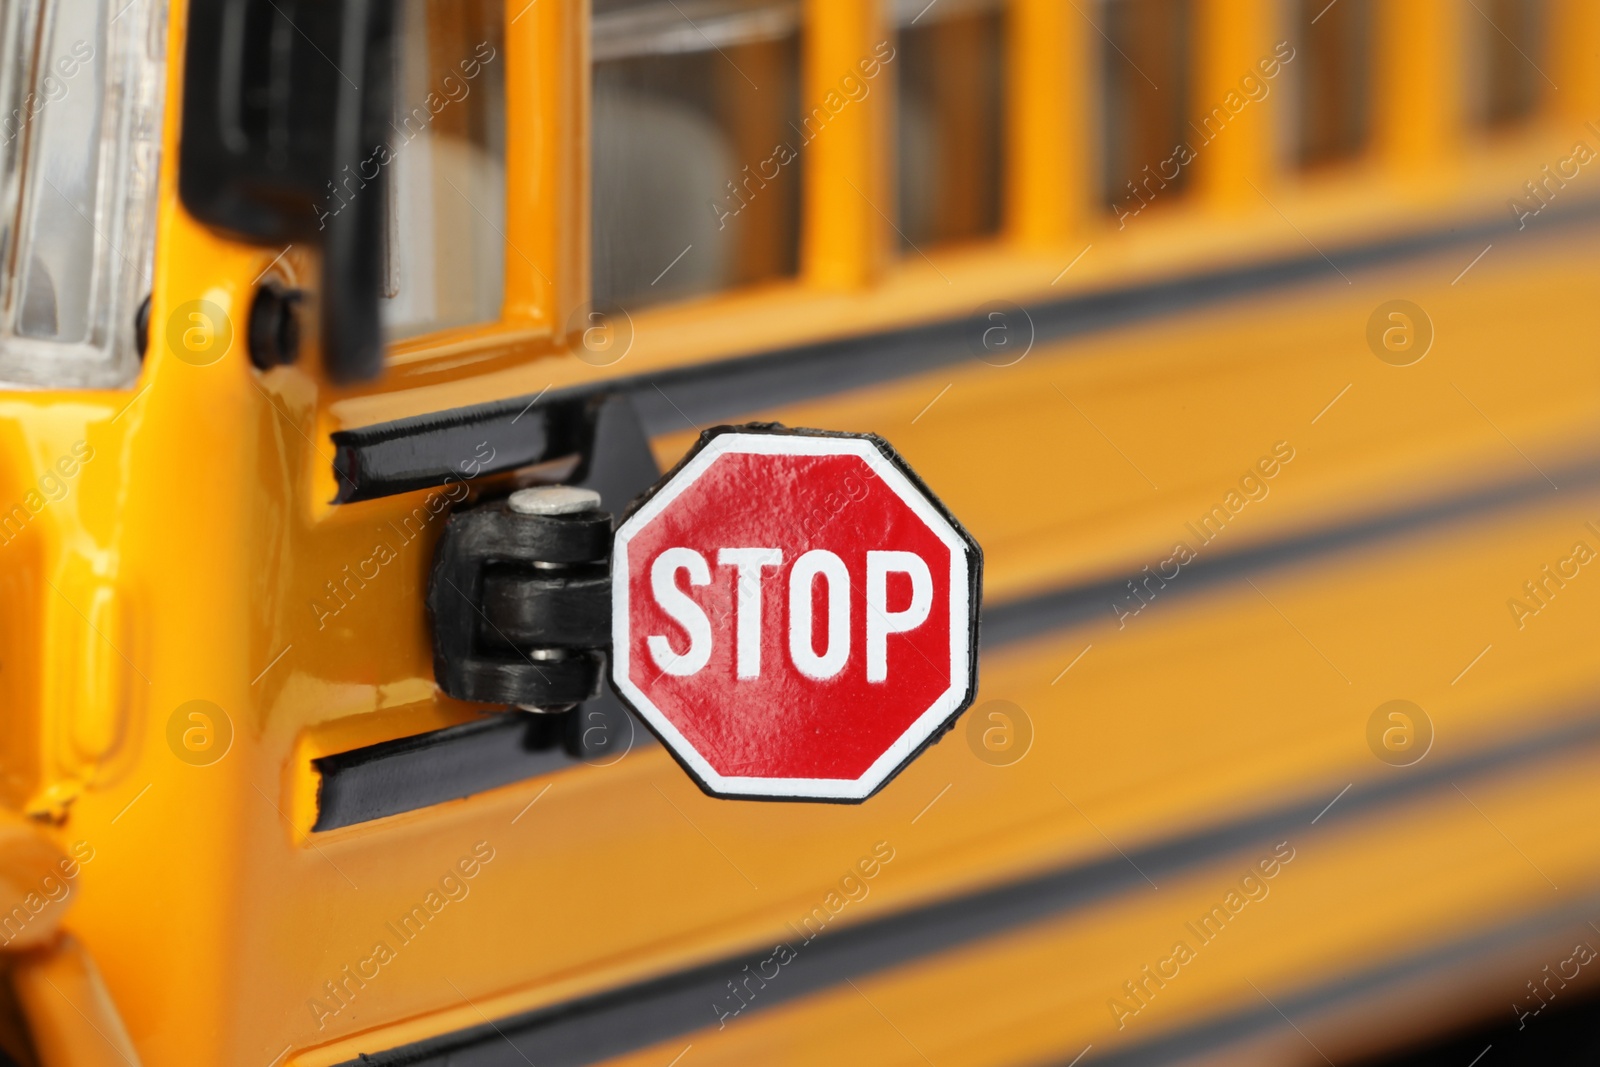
pixel 553 500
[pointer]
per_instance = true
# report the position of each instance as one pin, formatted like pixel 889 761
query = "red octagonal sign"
pixel 794 614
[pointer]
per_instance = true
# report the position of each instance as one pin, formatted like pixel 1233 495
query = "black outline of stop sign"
pixel 965 582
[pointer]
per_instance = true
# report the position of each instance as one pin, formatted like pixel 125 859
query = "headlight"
pixel 80 133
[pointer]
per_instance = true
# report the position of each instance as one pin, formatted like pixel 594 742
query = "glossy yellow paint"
pixel 188 555
pixel 1052 177
pixel 845 241
pixel 1234 169
pixel 1430 869
pixel 1420 77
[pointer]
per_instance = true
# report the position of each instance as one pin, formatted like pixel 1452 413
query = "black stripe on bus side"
pixel 593 1029
pixel 429 450
pixel 1019 620
pixel 1366 988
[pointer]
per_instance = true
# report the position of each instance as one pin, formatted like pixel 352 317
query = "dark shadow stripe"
pixel 426 450
pixel 592 1029
pixel 1216 1035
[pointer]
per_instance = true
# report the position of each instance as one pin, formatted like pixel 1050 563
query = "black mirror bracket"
pixel 284 104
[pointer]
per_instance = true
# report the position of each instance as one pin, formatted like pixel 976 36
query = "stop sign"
pixel 794 614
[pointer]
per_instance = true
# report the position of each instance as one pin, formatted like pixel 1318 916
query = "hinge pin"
pixel 551 500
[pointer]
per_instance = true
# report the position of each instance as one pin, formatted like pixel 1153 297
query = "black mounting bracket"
pixel 520 604
pixel 283 100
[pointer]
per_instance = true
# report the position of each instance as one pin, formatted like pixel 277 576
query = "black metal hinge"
pixel 520 599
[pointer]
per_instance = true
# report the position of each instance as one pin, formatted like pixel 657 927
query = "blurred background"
pixel 1280 445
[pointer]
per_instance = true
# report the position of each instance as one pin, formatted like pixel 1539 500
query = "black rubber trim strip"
pixel 425 769
pixel 596 1028
pixel 427 450
pixel 408 773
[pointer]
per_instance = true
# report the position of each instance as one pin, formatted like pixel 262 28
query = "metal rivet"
pixel 554 500
pixel 548 655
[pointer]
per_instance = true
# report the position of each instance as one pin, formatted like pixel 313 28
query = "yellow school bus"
pixel 1253 340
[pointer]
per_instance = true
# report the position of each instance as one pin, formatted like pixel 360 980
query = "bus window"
pixel 1144 65
pixel 950 121
pixel 1509 35
pixel 695 164
pixel 446 244
pixel 1335 47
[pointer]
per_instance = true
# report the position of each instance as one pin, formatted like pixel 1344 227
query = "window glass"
pixel 446 234
pixel 951 119
pixel 696 146
pixel 1144 63
pixel 1510 39
pixel 1334 64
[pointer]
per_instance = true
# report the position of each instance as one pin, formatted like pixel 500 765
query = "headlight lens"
pixel 81 86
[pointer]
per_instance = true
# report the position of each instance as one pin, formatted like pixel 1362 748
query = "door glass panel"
pixel 56 279
pixel 1510 40
pixel 446 243
pixel 80 133
pixel 1334 59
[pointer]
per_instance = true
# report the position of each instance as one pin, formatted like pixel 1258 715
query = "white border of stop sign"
pixel 964 560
